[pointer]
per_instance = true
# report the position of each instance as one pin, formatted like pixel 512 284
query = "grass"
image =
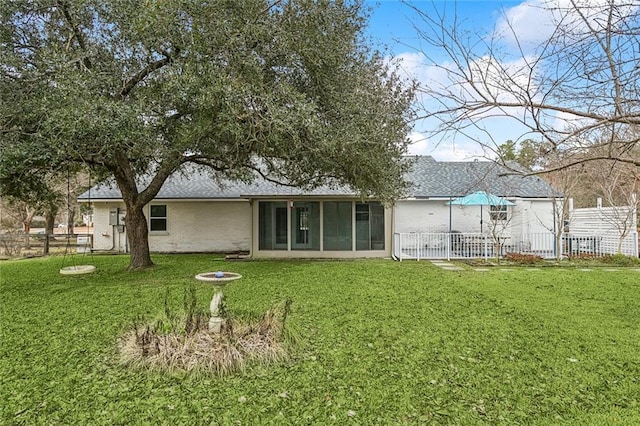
pixel 379 343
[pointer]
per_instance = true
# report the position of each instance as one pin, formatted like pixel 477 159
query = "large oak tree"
pixel 287 90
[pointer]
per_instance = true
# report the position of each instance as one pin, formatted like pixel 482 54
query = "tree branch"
pixel 142 74
pixel 64 7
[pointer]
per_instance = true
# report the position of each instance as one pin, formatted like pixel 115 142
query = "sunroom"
pixel 320 228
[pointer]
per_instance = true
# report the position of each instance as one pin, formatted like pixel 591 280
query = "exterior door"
pixel 305 226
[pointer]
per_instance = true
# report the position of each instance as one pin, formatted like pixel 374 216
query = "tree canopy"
pixel 287 90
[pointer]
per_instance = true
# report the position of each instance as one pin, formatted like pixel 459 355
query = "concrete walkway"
pixel 447 266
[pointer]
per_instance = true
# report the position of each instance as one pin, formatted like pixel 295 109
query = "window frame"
pixel 153 218
pixel 499 212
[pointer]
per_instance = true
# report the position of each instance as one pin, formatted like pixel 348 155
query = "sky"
pixel 393 24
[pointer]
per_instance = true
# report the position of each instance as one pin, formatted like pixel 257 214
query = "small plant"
pixel 523 258
pixel 588 257
pixel 620 260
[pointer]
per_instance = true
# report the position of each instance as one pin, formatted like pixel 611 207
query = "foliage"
pixel 183 342
pixel 528 153
pixel 382 342
pixel 288 90
pixel 606 260
pixel 621 260
pixel 523 258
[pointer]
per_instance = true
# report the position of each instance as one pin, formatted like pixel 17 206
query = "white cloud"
pixel 420 145
pixel 533 21
pixel 434 79
pixel 511 79
pixel 529 23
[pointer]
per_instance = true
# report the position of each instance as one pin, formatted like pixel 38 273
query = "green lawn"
pixel 381 342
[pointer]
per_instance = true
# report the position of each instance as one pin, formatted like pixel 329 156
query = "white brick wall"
pixel 104 236
pixel 195 226
pixel 203 226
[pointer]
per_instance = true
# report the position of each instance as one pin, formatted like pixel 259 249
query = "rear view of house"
pixel 195 213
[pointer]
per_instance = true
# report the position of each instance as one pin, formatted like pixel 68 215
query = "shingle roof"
pixel 430 178
pixel 195 183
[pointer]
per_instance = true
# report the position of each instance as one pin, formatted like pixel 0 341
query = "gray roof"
pixel 433 178
pixel 430 178
pixel 196 183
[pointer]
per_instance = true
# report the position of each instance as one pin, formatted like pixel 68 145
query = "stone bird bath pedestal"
pixel 219 279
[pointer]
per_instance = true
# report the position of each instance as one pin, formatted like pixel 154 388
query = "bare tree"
pixel 565 180
pixel 576 88
pixel 618 185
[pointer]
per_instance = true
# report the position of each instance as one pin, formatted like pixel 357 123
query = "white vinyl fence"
pixel 456 245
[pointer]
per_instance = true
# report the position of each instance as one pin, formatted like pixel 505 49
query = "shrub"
pixel 523 258
pixel 620 260
pixel 184 342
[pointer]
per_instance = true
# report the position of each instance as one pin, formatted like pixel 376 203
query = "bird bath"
pixel 218 278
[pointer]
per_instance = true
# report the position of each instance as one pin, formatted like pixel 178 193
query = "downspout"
pixel 393 232
pixel 449 236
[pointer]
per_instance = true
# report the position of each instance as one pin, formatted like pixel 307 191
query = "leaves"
pixel 288 87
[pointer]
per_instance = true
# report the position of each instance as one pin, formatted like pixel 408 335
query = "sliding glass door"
pixel 369 226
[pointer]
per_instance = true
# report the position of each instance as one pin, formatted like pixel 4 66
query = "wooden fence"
pixel 16 244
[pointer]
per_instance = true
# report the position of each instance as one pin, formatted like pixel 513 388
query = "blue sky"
pixel 393 24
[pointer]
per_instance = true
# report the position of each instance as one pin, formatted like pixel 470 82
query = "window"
pixel 306 225
pixel 337 225
pixel 498 213
pixel 369 226
pixel 158 217
pixel 272 218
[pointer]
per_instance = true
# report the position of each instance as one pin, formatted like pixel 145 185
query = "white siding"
pixel 527 216
pixel 421 216
pixel 540 217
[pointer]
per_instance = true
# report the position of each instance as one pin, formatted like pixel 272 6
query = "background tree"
pixel 574 90
pixel 529 154
pixel 287 90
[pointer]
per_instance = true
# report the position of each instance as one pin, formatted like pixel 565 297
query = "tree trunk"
pixel 71 217
pixel 50 217
pixel 26 227
pixel 138 237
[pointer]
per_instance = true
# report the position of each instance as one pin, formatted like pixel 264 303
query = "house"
pixel 194 213
pixel 436 184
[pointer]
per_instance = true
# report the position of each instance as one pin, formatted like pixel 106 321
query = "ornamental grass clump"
pixel 185 342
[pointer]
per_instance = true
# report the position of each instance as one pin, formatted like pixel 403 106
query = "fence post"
pixel 448 245
pixel 45 248
pixel 486 249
